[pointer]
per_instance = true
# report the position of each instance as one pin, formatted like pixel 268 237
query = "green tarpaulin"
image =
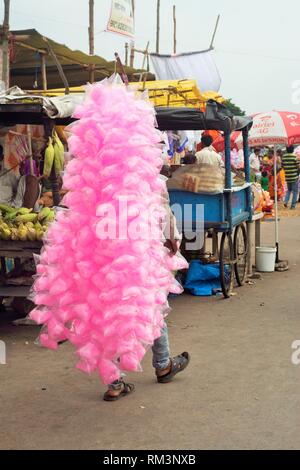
pixel 27 48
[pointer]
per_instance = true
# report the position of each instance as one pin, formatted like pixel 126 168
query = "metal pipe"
pixel 228 179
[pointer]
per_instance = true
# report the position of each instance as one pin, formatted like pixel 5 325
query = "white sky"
pixel 257 45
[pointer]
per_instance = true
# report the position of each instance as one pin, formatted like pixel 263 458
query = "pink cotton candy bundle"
pixel 104 278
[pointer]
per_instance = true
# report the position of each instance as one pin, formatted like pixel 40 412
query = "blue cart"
pixel 228 212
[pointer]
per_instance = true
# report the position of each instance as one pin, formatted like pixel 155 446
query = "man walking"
pixel 291 169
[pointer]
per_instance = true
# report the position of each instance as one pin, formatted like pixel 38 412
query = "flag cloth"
pixel 196 65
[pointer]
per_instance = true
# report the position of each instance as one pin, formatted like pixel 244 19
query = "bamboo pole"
pixel 29 136
pixel 215 32
pixel 175 29
pixel 58 65
pixel 44 72
pixel 4 45
pixel 92 37
pixel 158 28
pixel 146 54
pixel 132 45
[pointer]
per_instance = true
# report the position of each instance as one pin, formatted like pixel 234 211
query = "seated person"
pixel 23 191
pixel 208 155
pixel 8 182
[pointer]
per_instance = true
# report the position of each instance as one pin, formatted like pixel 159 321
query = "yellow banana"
pixel 39 236
pixel 24 211
pixel 14 234
pixel 58 155
pixel 22 233
pixel 50 218
pixel 5 234
pixel 6 209
pixel 26 218
pixel 49 159
pixel 32 236
pixel 43 214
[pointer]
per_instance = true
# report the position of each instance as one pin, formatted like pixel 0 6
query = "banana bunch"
pixel 59 154
pixel 49 158
pixel 23 224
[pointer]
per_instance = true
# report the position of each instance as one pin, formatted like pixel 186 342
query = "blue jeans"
pixel 161 350
pixel 293 188
pixel 161 355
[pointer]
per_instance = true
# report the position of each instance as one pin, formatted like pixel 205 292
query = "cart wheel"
pixel 226 265
pixel 241 254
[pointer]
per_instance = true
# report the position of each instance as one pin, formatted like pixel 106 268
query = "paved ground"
pixel 240 392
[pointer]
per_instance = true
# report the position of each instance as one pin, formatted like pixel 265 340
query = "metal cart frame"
pixel 228 212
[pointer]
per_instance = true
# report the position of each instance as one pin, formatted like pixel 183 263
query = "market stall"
pixel 227 211
pixel 231 209
pixel 22 228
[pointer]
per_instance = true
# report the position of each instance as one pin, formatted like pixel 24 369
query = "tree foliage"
pixel 236 110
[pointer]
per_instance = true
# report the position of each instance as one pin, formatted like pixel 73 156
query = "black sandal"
pixel 178 364
pixel 125 388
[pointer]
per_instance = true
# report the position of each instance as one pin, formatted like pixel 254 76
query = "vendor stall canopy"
pixel 166 93
pixel 29 46
pixel 16 106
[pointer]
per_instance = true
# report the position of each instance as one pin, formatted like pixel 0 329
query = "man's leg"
pixel 161 351
pixel 288 194
pixel 166 367
pixel 295 194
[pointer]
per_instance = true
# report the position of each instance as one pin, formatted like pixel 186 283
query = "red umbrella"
pixel 274 128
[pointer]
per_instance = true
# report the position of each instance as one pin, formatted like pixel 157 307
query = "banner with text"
pixel 121 18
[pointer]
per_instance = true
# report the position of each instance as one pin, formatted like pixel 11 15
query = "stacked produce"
pixel 24 224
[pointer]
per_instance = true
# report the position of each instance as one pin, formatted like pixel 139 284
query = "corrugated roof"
pixel 29 44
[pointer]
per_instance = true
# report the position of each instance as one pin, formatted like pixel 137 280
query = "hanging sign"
pixel 121 18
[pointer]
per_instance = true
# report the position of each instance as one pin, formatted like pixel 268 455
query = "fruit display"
pixel 54 155
pixel 24 224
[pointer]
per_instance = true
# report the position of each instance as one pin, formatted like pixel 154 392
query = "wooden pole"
pixel 123 73
pixel 146 57
pixel 132 51
pixel 175 29
pixel 132 45
pixel 158 28
pixel 29 135
pixel 126 53
pixel 44 72
pixel 92 37
pixel 58 65
pixel 4 45
pixel 215 32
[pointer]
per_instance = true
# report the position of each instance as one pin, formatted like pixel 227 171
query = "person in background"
pixel 8 182
pixel 255 164
pixel 265 181
pixel 290 165
pixel 208 155
pixel 189 159
pixel 267 165
pixel 280 183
